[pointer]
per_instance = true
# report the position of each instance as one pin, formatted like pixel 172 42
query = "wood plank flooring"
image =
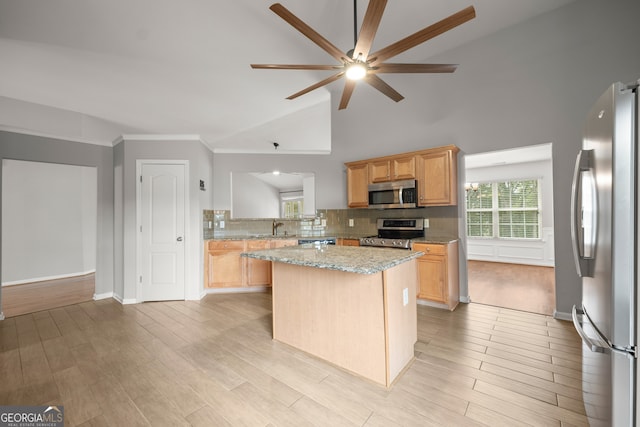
pixel 213 363
pixel 520 287
pixel 47 294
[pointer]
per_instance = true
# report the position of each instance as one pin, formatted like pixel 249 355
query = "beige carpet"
pixel 515 286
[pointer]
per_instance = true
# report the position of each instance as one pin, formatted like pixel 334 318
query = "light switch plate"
pixel 405 296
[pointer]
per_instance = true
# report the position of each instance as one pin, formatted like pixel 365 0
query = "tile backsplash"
pixel 443 221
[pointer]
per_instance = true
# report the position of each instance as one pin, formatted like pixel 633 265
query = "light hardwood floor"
pixel 520 287
pixel 213 363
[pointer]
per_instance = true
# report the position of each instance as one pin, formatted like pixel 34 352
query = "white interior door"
pixel 162 232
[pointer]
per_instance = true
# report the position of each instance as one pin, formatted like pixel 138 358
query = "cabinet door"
pixel 380 171
pixel 432 274
pixel 225 264
pixel 357 186
pixel 258 272
pixel 437 178
pixel 404 168
pixel 281 243
pixel 349 242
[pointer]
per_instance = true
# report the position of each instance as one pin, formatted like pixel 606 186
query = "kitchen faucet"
pixel 274 227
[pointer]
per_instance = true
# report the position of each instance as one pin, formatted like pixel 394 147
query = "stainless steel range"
pixel 395 233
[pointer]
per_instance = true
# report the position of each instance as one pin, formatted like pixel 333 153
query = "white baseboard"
pixel 561 315
pixel 236 290
pixel 465 300
pixel 105 295
pixel 124 301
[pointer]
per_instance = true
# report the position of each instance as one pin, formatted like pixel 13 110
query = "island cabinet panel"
pixel 438 273
pixel 225 265
pixel 258 272
pixel 359 322
pixel 358 185
pixel 437 178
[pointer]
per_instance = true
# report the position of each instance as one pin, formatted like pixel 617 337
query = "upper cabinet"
pixel 437 177
pixel 392 169
pixel 435 169
pixel 357 183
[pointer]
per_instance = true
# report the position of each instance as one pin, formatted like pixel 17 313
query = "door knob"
pixel 179 239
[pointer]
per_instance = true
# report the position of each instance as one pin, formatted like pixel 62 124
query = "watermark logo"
pixel 31 416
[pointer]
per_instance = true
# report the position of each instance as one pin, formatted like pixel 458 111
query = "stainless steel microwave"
pixel 394 194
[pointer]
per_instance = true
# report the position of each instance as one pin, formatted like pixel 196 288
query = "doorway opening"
pixel 509 228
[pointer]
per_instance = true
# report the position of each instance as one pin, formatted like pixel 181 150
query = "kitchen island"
pixel 352 306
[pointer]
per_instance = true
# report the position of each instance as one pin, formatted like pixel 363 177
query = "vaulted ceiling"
pixel 182 67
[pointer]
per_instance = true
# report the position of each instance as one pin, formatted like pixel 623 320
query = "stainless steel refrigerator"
pixel 604 228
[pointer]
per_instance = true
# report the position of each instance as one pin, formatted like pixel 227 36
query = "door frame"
pixel 187 225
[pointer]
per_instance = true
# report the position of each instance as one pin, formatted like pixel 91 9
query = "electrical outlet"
pixel 210 224
pixel 221 224
pixel 405 296
pixel 324 222
pixel 426 223
pixel 350 222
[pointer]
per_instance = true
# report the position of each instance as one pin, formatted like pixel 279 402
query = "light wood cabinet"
pixel 224 267
pixel 357 185
pixel 281 243
pixel 348 242
pixel 438 273
pixel 257 271
pixel 392 169
pixel 437 177
pixel 435 169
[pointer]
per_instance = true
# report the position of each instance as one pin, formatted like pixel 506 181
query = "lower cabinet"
pixel 258 272
pixel 438 273
pixel 225 268
pixel 348 242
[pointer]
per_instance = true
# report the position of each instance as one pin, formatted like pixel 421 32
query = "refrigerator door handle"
pixel 584 262
pixel 594 346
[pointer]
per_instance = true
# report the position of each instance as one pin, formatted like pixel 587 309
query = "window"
pixel 508 209
pixel 292 204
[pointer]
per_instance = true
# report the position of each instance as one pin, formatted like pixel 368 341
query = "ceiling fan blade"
pixel 369 27
pixel 309 32
pixel 296 67
pixel 423 35
pixel 321 83
pixel 414 68
pixel 379 84
pixel 349 86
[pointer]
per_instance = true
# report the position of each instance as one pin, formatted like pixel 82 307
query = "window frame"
pixel 495 212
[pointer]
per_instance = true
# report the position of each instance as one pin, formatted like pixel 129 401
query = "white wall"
pixel 126 152
pixel 49 221
pixel 254 198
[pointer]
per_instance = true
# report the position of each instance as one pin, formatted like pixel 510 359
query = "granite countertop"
pixel 286 236
pixel 435 239
pixel 352 259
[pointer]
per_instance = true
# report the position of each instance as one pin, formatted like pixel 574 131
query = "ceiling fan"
pixel 359 63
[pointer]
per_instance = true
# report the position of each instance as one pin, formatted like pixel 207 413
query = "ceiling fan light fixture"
pixel 356 71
